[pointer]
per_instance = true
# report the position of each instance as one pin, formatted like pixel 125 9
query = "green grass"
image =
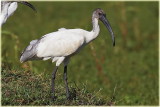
pixel 131 66
pixel 24 88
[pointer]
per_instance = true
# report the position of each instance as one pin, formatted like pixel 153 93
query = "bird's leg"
pixel 66 83
pixel 53 78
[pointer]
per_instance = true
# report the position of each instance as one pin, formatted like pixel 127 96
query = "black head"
pixel 100 14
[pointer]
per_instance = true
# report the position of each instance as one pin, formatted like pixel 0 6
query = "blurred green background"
pixel 131 67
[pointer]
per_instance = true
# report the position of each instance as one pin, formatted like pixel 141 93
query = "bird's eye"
pixel 99 14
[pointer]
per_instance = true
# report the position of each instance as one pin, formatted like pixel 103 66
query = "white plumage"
pixel 61 43
pixel 64 43
pixel 9 7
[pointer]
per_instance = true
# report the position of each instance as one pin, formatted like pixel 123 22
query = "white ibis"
pixel 9 7
pixel 61 45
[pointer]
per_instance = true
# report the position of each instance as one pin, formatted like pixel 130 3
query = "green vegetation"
pixel 129 70
pixel 25 88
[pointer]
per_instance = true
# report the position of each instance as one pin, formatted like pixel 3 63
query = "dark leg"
pixel 53 78
pixel 66 83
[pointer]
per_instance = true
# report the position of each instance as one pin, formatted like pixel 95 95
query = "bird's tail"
pixel 29 53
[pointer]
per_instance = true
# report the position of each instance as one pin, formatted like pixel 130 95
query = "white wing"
pixel 33 42
pixel 12 8
pixel 61 43
pixel 7 9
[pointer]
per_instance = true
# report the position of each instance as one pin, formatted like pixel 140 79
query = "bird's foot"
pixel 69 97
pixel 71 94
pixel 54 98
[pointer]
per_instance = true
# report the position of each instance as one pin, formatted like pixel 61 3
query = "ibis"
pixel 9 7
pixel 61 45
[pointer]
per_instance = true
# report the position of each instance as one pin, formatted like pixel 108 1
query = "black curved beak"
pixel 106 23
pixel 28 4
